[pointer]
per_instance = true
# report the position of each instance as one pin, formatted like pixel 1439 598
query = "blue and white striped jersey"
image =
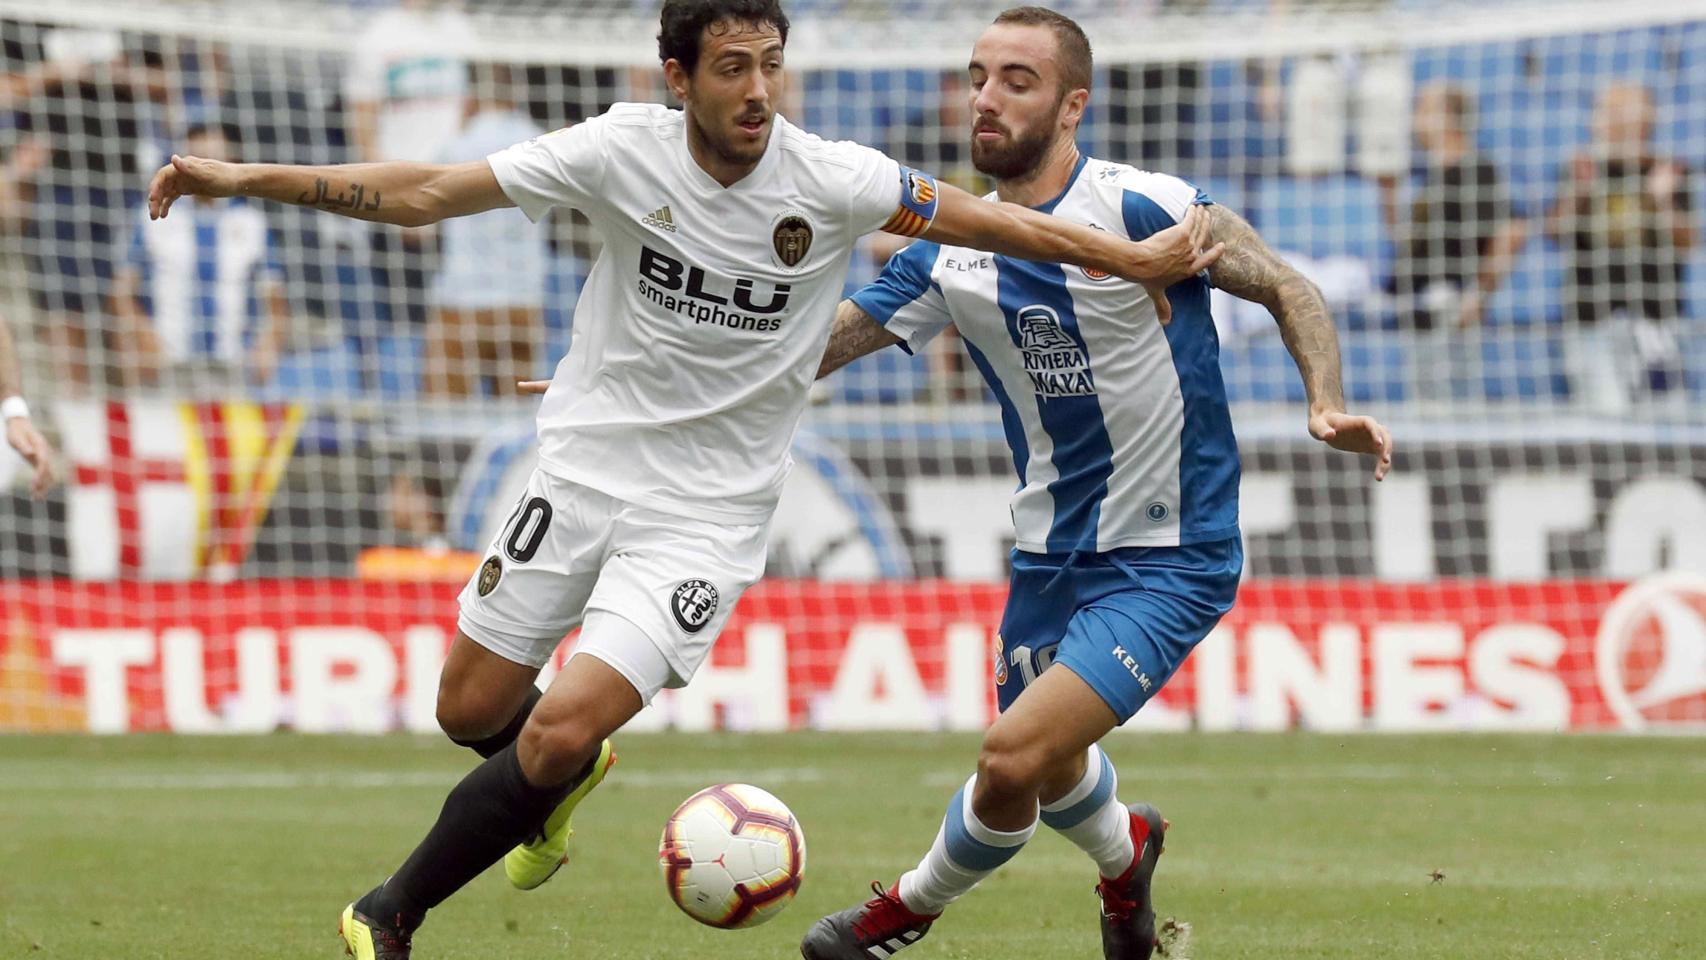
pixel 1119 426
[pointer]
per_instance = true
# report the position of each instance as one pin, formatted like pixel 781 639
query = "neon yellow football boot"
pixel 531 864
pixel 367 939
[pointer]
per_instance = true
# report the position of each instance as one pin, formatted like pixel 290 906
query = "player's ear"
pixel 1072 109
pixel 676 77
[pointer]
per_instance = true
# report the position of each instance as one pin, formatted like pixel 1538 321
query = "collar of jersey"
pixel 704 183
pixel 1083 158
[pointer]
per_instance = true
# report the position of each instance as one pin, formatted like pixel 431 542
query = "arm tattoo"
pixel 338 202
pixel 855 334
pixel 1249 270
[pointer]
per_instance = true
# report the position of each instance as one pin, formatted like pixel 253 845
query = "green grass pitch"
pixel 1300 846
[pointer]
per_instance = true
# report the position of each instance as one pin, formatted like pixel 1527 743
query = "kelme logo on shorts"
pixel 490 571
pixel 694 603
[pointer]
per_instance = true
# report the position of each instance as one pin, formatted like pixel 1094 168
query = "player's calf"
pixel 556 745
pixel 1088 812
pixel 472 726
pixel 529 865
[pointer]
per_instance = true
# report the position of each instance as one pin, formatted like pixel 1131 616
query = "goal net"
pixel 287 438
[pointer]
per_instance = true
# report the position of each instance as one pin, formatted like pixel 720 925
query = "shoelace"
pixel 884 916
pixel 1115 904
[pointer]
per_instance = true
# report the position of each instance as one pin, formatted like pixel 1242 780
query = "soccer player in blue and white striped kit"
pixel 1126 517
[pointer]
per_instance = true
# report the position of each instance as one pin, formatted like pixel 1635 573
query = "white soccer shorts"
pixel 568 549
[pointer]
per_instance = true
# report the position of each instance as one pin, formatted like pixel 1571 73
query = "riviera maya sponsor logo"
pixel 1056 365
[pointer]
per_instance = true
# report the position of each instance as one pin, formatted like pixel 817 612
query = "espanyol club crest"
pixel 1000 661
pixel 694 603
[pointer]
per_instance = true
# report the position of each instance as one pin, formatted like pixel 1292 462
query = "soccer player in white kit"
pixel 664 436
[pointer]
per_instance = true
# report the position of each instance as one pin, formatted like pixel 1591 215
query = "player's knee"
pixel 555 748
pixel 464 715
pixel 1008 769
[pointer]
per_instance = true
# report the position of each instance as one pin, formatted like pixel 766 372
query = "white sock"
pixel 964 853
pixel 1091 816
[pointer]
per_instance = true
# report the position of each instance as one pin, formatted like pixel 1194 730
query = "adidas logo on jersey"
pixel 660 218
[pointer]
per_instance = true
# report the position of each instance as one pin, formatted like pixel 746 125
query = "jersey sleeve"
pixel 564 168
pixel 1152 202
pixel 888 196
pixel 905 300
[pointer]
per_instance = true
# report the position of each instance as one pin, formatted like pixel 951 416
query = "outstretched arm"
pixel 855 334
pixel 1251 271
pixel 21 434
pixel 1158 262
pixel 403 193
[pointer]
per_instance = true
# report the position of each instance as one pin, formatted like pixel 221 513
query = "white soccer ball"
pixel 732 856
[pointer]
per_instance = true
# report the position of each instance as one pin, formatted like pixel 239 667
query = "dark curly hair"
pixel 683 23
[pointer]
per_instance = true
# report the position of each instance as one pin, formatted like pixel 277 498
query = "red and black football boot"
pixel 1128 912
pixel 875 930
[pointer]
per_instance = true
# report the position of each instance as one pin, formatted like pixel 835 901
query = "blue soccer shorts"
pixel 1122 620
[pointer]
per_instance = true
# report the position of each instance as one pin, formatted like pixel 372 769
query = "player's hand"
pixel 189 177
pixel 532 387
pixel 1341 431
pixel 34 448
pixel 1177 253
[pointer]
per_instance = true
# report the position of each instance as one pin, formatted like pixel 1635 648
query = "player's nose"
pixel 757 91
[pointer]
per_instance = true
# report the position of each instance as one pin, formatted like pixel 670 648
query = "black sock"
pixel 494 808
pixel 490 746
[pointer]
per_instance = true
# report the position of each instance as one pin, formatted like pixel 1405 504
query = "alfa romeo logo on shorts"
pixel 490 571
pixel 694 603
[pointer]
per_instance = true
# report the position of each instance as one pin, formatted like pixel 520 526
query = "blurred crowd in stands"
pixel 1509 221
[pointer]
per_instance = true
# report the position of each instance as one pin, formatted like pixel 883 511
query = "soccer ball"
pixel 732 856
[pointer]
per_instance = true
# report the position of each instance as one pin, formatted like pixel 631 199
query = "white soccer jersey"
pixel 703 321
pixel 1119 426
